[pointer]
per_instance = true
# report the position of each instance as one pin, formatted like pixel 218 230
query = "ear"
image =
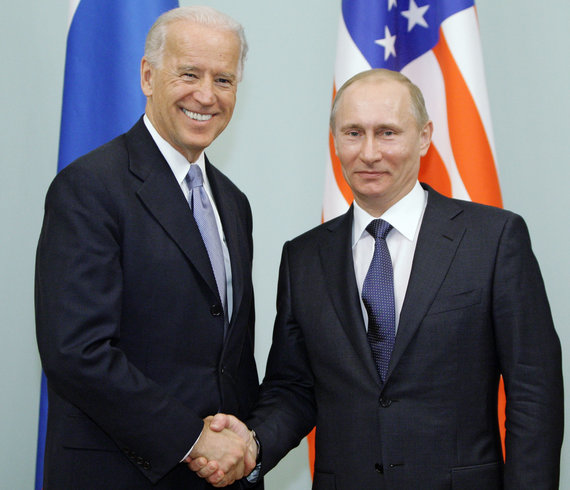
pixel 425 137
pixel 146 77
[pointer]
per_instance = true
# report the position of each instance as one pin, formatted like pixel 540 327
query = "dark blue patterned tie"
pixel 206 221
pixel 378 298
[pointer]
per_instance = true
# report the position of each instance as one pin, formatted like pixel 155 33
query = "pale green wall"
pixel 275 150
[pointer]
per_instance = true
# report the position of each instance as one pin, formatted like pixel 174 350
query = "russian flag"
pixel 436 44
pixel 101 94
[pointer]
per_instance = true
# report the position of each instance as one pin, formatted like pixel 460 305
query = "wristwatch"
pixel 255 438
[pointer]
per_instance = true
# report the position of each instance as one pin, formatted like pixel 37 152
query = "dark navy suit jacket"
pixel 129 321
pixel 475 308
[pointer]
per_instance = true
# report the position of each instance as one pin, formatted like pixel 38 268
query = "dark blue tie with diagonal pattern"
pixel 378 298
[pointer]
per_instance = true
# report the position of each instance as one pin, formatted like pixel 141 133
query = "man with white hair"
pixel 144 298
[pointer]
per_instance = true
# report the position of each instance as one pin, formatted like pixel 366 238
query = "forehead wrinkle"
pixel 183 67
pixel 193 40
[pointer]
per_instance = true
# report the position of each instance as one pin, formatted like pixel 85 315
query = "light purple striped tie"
pixel 378 298
pixel 206 221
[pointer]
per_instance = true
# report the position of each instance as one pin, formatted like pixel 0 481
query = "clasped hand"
pixel 225 451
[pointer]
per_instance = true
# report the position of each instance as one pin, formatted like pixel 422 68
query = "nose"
pixel 204 93
pixel 370 151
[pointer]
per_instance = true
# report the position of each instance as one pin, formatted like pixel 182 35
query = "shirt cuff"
pixel 254 475
pixel 188 453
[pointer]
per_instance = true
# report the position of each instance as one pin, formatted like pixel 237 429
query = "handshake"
pixel 226 451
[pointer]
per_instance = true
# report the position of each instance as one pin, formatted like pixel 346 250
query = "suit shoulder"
pixel 101 162
pixel 91 174
pixel 470 210
pixel 490 218
pixel 314 234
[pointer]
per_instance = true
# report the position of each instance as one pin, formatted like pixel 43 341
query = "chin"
pixel 375 191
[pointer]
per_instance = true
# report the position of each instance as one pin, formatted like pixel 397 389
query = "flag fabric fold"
pixel 101 95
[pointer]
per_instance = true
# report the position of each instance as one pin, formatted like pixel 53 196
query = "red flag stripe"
pixel 338 175
pixel 311 442
pixel 432 170
pixel 466 130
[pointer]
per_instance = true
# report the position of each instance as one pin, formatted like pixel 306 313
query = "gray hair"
pixel 198 14
pixel 418 104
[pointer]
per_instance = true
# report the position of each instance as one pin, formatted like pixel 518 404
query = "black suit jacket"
pixel 475 308
pixel 129 322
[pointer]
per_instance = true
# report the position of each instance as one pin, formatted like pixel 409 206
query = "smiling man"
pixel 144 300
pixel 395 321
pixel 191 89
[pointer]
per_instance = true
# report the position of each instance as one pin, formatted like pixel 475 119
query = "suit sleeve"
pixel 78 317
pixel 286 410
pixel 530 357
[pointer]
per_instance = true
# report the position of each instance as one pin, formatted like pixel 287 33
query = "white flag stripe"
pixel 71 11
pixel 461 32
pixel 426 73
pixel 349 59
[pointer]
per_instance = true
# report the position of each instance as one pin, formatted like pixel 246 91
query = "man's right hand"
pixel 225 431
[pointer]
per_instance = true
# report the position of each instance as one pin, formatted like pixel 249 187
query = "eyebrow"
pixel 192 68
pixel 231 76
pixel 349 126
pixel 346 127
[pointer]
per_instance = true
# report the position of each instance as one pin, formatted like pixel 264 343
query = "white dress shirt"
pixel 180 166
pixel 406 217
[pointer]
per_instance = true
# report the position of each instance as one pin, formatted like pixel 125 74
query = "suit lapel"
pixel 437 243
pixel 163 198
pixel 227 209
pixel 336 260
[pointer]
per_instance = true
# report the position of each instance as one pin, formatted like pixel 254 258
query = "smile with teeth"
pixel 196 116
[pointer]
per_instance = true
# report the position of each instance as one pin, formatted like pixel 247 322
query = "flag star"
pixel 415 15
pixel 388 43
pixel 392 3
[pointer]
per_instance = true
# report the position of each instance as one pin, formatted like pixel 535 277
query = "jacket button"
pixel 379 468
pixel 216 310
pixel 146 465
pixel 385 402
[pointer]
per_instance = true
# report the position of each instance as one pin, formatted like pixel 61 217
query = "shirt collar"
pixel 404 216
pixel 176 161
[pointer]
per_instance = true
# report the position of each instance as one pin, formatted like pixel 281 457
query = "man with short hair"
pixel 396 320
pixel 144 298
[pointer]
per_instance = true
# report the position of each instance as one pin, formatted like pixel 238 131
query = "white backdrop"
pixel 274 149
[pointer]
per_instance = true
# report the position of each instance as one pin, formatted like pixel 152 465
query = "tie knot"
pixel 194 177
pixel 379 228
